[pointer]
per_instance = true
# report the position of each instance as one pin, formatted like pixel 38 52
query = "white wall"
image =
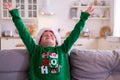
pixel 61 19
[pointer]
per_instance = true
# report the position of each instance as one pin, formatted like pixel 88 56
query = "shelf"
pixel 99 13
pixel 10 37
pixel 88 6
pixel 90 37
pixel 86 37
pixel 94 18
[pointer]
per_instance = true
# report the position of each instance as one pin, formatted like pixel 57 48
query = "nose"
pixel 48 35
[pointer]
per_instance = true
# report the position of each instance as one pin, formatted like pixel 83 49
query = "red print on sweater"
pixel 45 55
pixel 45 62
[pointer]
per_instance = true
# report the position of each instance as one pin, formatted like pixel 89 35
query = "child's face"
pixel 48 39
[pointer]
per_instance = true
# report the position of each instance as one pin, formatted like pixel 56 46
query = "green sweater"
pixel 48 63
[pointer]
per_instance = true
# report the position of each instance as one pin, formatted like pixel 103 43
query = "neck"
pixel 47 45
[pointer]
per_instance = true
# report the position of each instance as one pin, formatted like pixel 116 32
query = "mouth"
pixel 48 38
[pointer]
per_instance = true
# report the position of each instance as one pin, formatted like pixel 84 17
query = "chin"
pixel 48 46
pixel 48 43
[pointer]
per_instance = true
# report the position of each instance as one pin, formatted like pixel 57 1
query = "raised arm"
pixel 24 34
pixel 70 40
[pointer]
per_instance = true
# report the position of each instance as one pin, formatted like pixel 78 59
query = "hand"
pixel 8 6
pixel 89 10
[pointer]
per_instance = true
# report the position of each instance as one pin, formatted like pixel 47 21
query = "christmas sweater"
pixel 49 63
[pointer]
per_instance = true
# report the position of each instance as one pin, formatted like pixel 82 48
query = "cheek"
pixel 54 39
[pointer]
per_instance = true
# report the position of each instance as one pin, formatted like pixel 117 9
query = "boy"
pixel 48 58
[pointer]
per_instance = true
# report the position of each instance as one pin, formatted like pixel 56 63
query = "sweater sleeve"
pixel 70 40
pixel 23 33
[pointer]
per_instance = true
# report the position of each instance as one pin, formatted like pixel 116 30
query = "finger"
pixel 6 5
pixel 92 10
pixel 90 7
pixel 9 4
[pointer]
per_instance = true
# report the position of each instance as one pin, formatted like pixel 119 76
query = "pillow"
pixel 14 60
pixel 92 64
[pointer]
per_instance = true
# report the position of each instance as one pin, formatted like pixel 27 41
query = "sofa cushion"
pixel 14 76
pixel 94 64
pixel 14 60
